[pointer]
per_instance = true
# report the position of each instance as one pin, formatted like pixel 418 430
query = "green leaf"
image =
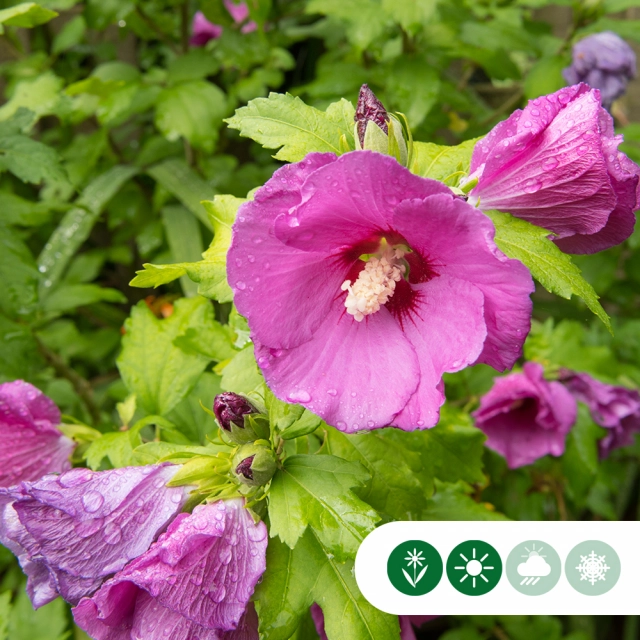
pixel 26 14
pixel 195 65
pixel 71 35
pixel 452 502
pixel 47 623
pixel 117 447
pixel 40 95
pixel 18 211
pixel 179 179
pixel 184 239
pixel 68 297
pixel 193 110
pixel 152 452
pixel 152 366
pixel 410 14
pixel 77 224
pixel 5 609
pixel 545 77
pixel 241 373
pixel 296 578
pixel 306 424
pixel 18 274
pixel 397 487
pixel 211 272
pixel 580 459
pixel 444 163
pixel 284 121
pixel 315 491
pixel 553 269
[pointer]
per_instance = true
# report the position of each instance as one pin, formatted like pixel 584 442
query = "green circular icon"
pixel 474 568
pixel 592 567
pixel 533 568
pixel 414 567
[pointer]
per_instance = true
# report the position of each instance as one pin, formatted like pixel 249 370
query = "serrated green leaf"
pixel 117 447
pixel 444 163
pixel 397 487
pixel 152 366
pixel 241 373
pixel 40 95
pixel 553 269
pixel 286 123
pixel 211 272
pixel 29 160
pixel 18 274
pixel 26 14
pixel 296 578
pixel 306 424
pixel 192 110
pixel 452 502
pixel 315 491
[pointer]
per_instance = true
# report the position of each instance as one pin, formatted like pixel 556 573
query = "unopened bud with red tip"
pixel 378 130
pixel 239 419
pixel 254 464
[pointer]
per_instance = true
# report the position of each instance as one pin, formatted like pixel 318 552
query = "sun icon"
pixel 474 568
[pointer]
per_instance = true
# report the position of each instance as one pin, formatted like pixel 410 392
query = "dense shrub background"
pixel 112 133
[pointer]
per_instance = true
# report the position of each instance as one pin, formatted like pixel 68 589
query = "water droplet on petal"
pixel 299 396
pixel 332 392
pixel 341 425
pixel 549 164
pixel 420 423
pixel 532 185
pixel 371 424
pixel 92 501
pixel 241 285
pixel 238 262
pixel 112 533
pixel 251 259
pixel 75 477
pixel 87 528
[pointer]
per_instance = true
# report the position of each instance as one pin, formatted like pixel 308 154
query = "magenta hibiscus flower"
pixel 363 283
pixel 202 30
pixel 617 409
pixel 557 165
pixel 525 416
pixel 194 582
pixel 32 445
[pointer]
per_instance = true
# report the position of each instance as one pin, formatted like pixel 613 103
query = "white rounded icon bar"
pixel 561 599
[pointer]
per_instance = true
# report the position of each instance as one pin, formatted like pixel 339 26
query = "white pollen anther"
pixel 375 284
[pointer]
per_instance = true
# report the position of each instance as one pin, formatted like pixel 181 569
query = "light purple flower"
pixel 364 342
pixel 525 416
pixel 605 62
pixel 83 526
pixel 30 443
pixel 615 408
pixel 202 30
pixel 194 582
pixel 557 165
pixel 406 623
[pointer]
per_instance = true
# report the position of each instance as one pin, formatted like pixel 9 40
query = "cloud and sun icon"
pixel 534 567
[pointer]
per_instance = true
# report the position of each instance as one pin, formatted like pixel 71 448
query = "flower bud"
pixel 239 418
pixel 254 464
pixel 377 130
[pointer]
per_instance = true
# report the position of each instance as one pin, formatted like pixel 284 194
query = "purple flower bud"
pixel 254 464
pixel 605 62
pixel 525 416
pixel 231 408
pixel 194 582
pixel 83 526
pixel 369 108
pixel 614 408
pixel 30 443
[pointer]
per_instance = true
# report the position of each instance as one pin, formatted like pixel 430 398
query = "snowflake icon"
pixel 593 568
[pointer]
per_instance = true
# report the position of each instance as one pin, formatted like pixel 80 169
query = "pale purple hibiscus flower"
pixel 525 416
pixel 556 164
pixel 194 582
pixel 32 445
pixel 70 532
pixel 363 283
pixel 615 408
pixel 407 623
pixel 202 30
pixel 604 61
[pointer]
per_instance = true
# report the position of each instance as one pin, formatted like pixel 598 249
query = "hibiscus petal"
pixel 458 240
pixel 300 286
pixel 31 443
pixel 343 374
pixel 447 331
pixel 349 201
pixel 87 525
pixel 205 567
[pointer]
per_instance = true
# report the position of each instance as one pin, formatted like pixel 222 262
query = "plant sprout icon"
pixel 416 560
pixel 474 567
